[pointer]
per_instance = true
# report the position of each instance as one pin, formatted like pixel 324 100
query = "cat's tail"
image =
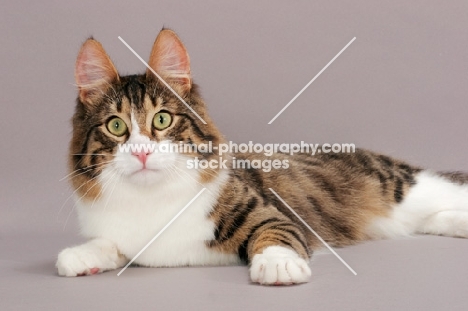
pixel 457 177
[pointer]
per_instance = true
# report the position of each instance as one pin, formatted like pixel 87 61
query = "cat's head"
pixel 114 111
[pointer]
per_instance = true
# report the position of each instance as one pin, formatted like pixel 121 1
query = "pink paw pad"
pixel 94 270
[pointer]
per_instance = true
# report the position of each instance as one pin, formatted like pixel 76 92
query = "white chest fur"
pixel 131 216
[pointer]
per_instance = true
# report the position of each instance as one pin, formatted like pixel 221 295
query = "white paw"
pixel 93 257
pixel 278 265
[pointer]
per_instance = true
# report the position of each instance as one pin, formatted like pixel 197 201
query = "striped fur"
pixel 336 194
pixel 341 196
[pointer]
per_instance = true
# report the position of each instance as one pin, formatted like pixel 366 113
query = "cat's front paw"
pixel 90 258
pixel 279 265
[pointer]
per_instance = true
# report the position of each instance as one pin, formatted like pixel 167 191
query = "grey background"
pixel 400 89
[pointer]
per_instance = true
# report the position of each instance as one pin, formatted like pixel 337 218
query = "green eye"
pixel 162 120
pixel 117 126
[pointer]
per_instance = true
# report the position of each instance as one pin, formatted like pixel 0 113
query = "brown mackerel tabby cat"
pixel 124 198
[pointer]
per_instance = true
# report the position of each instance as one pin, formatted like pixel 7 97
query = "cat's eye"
pixel 117 127
pixel 162 120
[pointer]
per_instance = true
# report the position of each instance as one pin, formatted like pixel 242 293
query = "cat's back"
pixel 323 170
pixel 329 190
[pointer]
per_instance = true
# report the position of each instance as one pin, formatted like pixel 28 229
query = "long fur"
pixel 124 199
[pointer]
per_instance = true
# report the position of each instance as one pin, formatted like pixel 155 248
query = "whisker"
pixel 86 168
pixel 89 154
pixel 98 166
pixel 104 187
pixel 83 184
pixel 179 170
pixel 206 171
pixel 71 195
pixel 112 191
pixel 170 170
pixel 69 214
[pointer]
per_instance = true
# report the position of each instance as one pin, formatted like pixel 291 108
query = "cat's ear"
pixel 170 59
pixel 94 71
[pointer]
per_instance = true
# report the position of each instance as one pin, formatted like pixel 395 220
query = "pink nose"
pixel 141 155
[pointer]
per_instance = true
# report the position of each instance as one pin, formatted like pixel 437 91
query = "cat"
pixel 124 199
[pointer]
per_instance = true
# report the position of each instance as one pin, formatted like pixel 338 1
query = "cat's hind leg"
pixel 446 200
pixel 95 256
pixel 449 223
pixel 434 205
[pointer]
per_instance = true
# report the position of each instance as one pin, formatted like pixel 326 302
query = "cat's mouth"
pixel 145 176
pixel 145 170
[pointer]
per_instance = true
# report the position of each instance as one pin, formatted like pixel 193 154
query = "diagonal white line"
pixel 161 79
pixel 310 82
pixel 160 232
pixel 315 233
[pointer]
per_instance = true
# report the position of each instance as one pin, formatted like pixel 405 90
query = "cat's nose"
pixel 141 155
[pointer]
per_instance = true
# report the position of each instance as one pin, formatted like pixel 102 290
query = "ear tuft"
pixel 94 70
pixel 170 59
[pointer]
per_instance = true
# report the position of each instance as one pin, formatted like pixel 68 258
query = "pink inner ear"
pixel 170 59
pixel 174 59
pixel 94 69
pixel 83 69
